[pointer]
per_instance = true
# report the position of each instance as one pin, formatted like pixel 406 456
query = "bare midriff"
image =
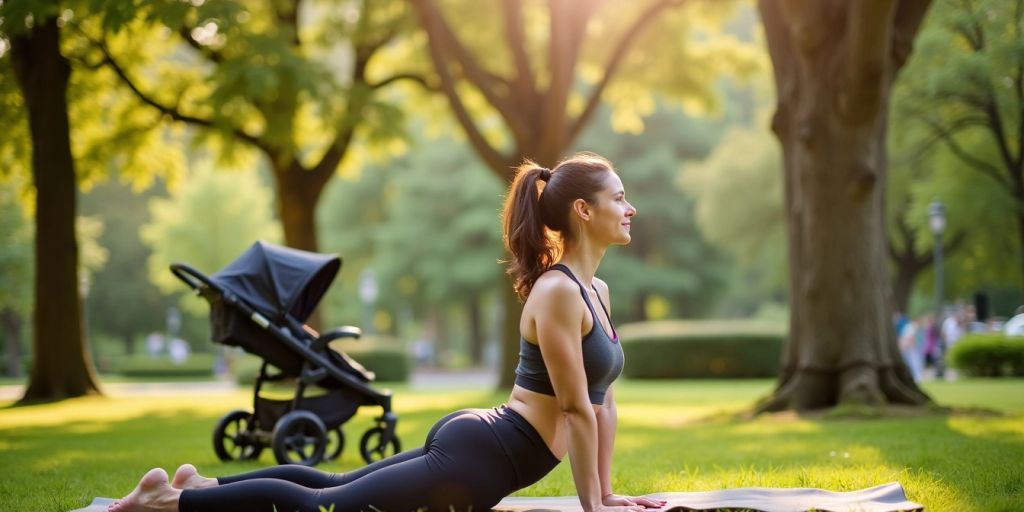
pixel 544 413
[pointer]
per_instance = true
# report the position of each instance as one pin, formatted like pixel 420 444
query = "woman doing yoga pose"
pixel 557 226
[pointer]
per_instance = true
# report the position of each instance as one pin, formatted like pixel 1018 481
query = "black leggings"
pixel 470 461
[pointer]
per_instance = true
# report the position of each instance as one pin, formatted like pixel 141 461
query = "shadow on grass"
pixel 55 464
pixel 942 456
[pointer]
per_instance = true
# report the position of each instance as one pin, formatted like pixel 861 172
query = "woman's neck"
pixel 583 258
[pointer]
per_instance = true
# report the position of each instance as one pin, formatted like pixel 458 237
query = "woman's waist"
pixel 544 413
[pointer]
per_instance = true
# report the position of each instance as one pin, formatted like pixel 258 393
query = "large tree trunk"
pixel 833 63
pixel 298 193
pixel 509 335
pixel 61 365
pixel 10 327
pixel 476 329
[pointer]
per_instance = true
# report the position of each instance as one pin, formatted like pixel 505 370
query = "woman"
pixel 557 226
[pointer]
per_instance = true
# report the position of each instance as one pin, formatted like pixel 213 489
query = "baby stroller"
pixel 259 303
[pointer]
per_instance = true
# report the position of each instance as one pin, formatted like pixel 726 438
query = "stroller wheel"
pixel 335 444
pixel 300 438
pixel 234 439
pixel 373 449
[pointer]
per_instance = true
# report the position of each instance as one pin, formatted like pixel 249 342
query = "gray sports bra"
pixel 602 355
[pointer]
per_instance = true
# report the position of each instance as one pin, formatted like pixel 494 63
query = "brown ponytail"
pixel 535 217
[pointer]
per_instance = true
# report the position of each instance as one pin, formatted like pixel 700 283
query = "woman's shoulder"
pixel 554 282
pixel 555 290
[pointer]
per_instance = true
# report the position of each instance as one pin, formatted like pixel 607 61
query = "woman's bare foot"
pixel 186 477
pixel 153 494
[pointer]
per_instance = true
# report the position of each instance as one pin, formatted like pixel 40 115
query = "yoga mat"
pixel 97 505
pixel 883 498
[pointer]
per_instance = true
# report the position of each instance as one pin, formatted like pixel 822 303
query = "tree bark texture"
pixel 61 365
pixel 834 63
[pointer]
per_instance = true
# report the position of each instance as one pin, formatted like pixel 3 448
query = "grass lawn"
pixel 673 436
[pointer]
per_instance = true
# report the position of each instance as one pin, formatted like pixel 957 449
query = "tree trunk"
pixel 298 193
pixel 902 285
pixel 833 89
pixel 509 333
pixel 476 330
pixel 10 323
pixel 61 365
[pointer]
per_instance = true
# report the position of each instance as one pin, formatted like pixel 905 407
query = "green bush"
pixel 197 365
pixel 245 369
pixel 988 355
pixel 388 363
pixel 712 349
pixel 391 364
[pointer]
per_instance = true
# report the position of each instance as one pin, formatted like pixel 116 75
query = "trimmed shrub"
pixel 197 365
pixel 988 355
pixel 388 363
pixel 711 349
pixel 391 364
pixel 245 369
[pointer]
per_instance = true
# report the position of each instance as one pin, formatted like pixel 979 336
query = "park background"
pixel 385 132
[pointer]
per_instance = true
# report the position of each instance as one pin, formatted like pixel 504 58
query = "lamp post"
pixel 937 223
pixel 368 291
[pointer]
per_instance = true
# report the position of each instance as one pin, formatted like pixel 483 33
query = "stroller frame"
pixel 303 427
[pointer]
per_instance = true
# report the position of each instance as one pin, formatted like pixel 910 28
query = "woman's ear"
pixel 581 208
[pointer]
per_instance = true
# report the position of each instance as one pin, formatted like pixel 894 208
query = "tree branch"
pixel 978 164
pixel 449 46
pixel 868 37
pixel 614 61
pixel 524 83
pixel 173 111
pixel 213 55
pixel 420 79
pixel 429 18
pixel 906 23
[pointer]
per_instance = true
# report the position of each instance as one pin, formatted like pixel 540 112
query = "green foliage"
pixel 669 259
pixel 122 301
pixel 16 246
pixel 745 164
pixel 989 355
pixel 426 223
pixel 721 349
pixel 207 222
pixel 390 364
pixel 443 229
pixel 956 128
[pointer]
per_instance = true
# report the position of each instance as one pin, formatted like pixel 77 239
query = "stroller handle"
pixel 192 277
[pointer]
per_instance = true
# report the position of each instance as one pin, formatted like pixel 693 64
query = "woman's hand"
pixel 614 500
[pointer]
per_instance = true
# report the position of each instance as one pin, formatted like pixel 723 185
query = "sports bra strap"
pixel 611 324
pixel 586 298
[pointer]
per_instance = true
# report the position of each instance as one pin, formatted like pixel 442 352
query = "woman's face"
pixel 611 213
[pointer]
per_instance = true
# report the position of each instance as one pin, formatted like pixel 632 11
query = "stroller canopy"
pixel 279 280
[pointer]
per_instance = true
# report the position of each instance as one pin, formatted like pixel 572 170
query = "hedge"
pixel 389 364
pixel 709 349
pixel 988 355
pixel 196 365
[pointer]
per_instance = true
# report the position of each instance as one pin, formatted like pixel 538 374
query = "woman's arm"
pixel 559 325
pixel 607 418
